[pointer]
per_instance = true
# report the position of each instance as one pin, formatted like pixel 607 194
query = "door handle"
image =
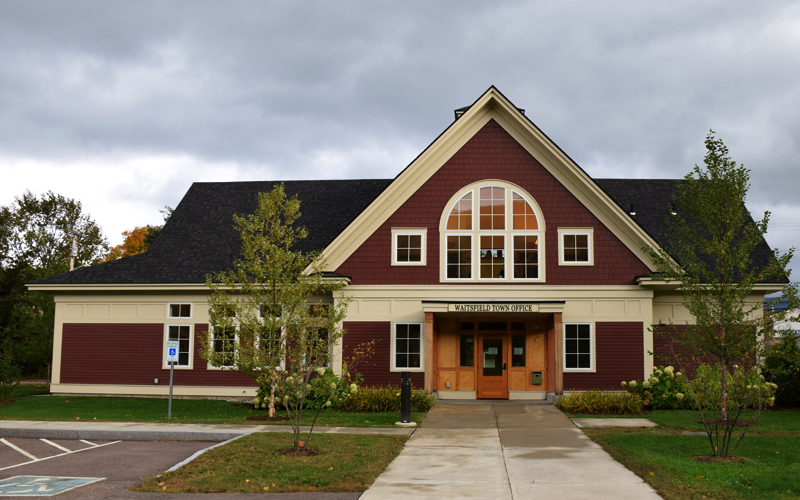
pixel 504 366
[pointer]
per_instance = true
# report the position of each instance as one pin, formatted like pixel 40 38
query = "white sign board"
pixel 172 351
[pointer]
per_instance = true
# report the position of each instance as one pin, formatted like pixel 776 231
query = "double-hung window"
pixel 223 343
pixel 407 347
pixel 491 232
pixel 183 335
pixel 579 347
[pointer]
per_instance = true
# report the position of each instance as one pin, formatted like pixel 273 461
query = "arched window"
pixel 492 231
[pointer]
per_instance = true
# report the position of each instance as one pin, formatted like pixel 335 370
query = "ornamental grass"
pixel 384 399
pixel 601 403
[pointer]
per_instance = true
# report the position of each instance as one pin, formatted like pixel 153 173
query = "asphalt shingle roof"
pixel 199 238
pixel 651 201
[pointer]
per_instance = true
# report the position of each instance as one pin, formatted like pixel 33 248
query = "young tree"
pixel 35 242
pixel 267 313
pixel 712 239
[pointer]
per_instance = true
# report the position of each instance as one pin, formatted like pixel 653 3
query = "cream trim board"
pixel 593 355
pixel 582 231
pixel 491 105
pixel 164 364
pixel 422 232
pixel 476 233
pixel 393 347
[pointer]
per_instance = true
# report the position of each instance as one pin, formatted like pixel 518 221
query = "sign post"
pixel 172 358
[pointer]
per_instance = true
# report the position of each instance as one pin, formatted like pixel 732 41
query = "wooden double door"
pixel 492 366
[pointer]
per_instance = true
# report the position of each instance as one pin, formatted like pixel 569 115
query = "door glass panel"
pixel 467 350
pixel 493 358
pixel 518 350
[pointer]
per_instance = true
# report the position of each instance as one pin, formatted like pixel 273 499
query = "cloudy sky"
pixel 123 104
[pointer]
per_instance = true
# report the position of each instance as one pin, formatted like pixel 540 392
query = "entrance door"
pixel 492 372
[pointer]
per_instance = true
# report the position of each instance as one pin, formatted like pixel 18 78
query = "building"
pixel 493 266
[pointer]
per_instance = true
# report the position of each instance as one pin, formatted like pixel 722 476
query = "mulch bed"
pixel 266 418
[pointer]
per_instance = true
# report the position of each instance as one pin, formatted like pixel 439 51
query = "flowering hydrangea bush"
pixel 324 389
pixel 665 389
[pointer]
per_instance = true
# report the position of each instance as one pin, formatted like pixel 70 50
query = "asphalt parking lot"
pixel 110 467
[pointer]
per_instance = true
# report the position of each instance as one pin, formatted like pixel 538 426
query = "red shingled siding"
pixel 620 356
pixel 131 354
pixel 667 351
pixel 493 154
pixel 375 369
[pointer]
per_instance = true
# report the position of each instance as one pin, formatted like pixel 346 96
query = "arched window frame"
pixel 508 233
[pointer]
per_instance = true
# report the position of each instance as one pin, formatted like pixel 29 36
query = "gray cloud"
pixel 260 90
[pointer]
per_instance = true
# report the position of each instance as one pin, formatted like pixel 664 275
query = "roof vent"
pixel 632 211
pixel 460 111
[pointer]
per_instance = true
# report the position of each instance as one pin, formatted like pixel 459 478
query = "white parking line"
pixel 54 444
pixel 15 447
pixel 87 442
pixel 48 458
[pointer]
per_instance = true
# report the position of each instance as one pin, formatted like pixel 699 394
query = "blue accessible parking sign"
pixel 42 486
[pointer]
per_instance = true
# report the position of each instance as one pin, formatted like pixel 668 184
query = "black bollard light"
pixel 405 398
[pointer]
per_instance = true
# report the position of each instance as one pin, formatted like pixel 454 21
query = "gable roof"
pixel 199 237
pixel 492 105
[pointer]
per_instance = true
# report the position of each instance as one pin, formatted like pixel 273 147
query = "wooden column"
pixel 550 374
pixel 430 383
pixel 558 351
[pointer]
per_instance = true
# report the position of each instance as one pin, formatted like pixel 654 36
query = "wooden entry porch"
pixel 493 357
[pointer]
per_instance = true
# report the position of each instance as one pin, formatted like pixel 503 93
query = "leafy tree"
pixel 267 315
pixel 709 251
pixel 138 240
pixel 35 241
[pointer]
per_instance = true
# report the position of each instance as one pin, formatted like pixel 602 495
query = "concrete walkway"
pixel 504 452
pixel 133 431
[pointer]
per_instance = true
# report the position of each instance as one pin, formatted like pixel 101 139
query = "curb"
pixel 112 435
pixel 179 435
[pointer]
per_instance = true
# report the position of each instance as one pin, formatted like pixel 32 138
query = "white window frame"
pixel 592 342
pixel 476 233
pixel 169 310
pixel 164 364
pixel 576 231
pixel 422 232
pixel 392 350
pixel 211 346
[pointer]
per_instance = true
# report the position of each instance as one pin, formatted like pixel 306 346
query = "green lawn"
pixel 204 411
pixel 780 421
pixel 777 421
pixel 253 464
pixel 668 462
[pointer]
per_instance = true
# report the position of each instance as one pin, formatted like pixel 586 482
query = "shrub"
pixel 747 389
pixel 665 389
pixel 601 403
pixel 326 391
pixel 782 367
pixel 384 399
